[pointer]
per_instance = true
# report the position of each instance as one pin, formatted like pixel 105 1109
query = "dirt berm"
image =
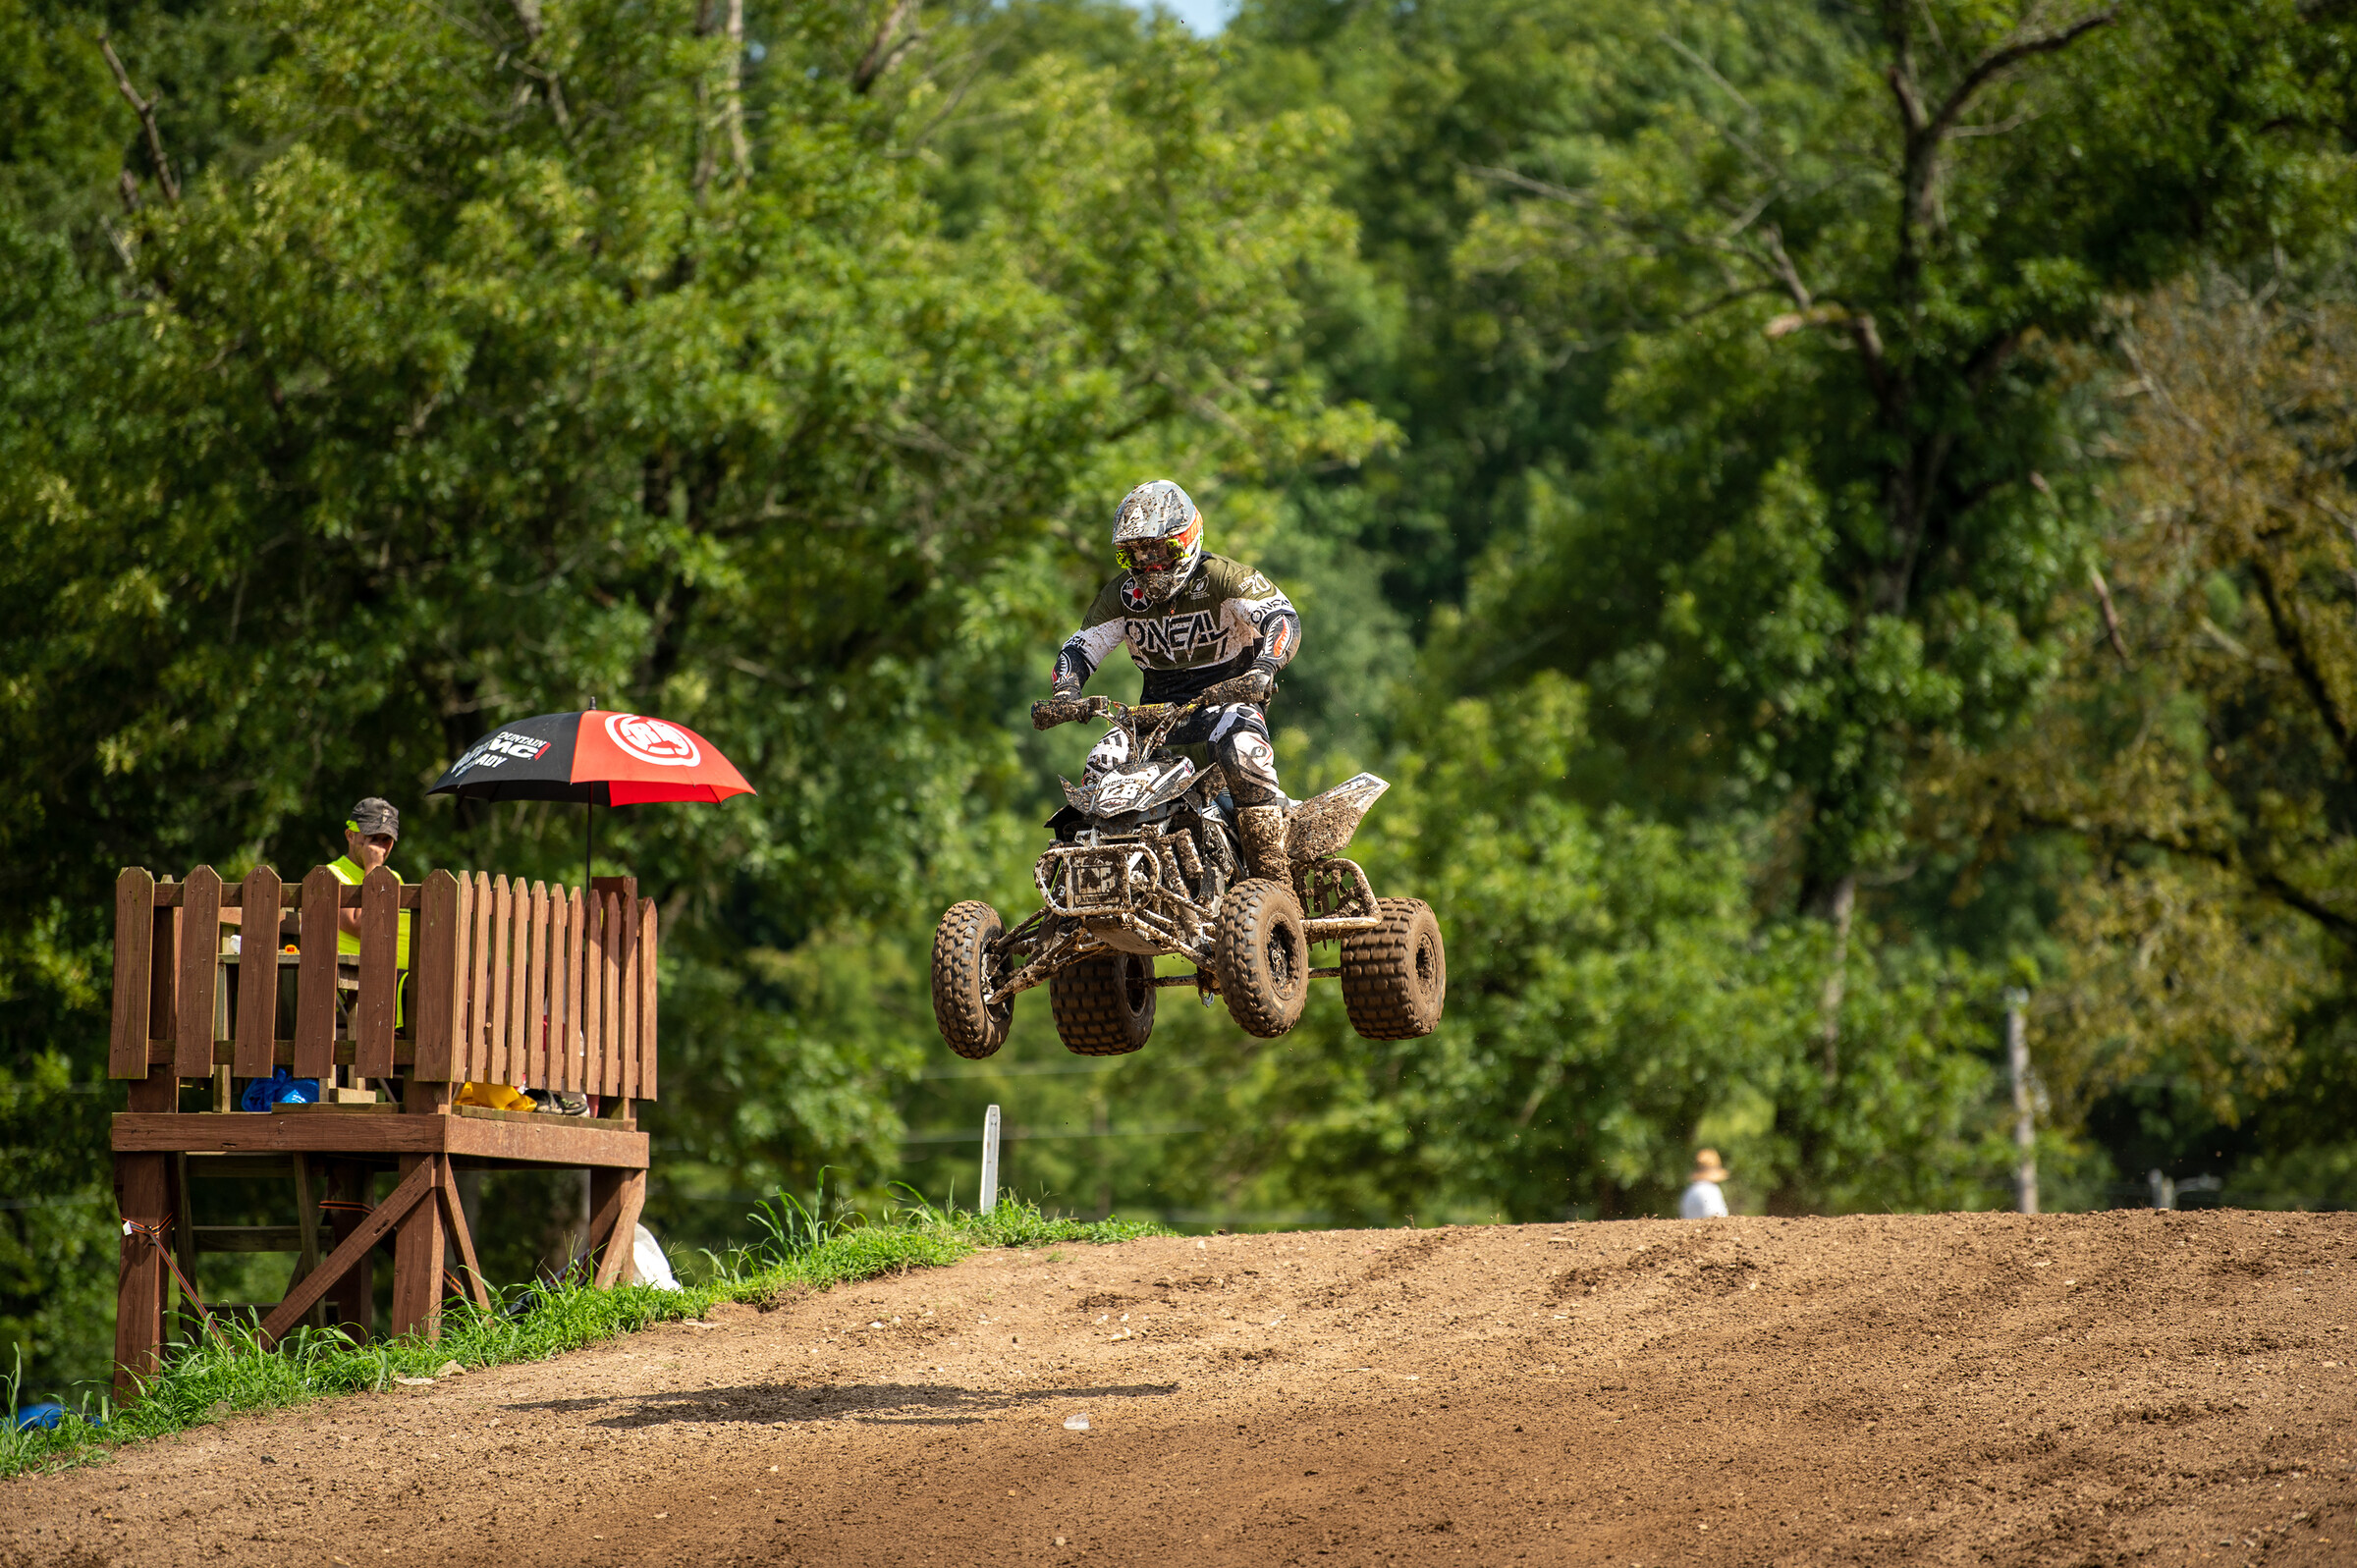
pixel 2111 1388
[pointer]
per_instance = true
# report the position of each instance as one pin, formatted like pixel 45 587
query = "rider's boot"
pixel 1262 829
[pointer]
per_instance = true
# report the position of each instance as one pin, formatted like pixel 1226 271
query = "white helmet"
pixel 1158 538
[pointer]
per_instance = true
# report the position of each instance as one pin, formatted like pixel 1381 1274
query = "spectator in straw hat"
pixel 1703 1199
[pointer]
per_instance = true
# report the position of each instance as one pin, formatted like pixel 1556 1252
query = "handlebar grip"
pixel 1058 711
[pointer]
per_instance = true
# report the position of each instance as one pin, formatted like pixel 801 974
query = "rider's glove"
pixel 1257 684
pixel 1062 708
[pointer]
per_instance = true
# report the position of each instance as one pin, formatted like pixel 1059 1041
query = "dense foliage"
pixel 1824 513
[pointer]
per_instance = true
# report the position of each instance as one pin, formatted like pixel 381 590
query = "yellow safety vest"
pixel 348 943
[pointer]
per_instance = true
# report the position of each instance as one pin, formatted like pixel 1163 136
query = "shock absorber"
pixel 1183 845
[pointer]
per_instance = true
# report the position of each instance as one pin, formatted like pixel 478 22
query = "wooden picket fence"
pixel 531 984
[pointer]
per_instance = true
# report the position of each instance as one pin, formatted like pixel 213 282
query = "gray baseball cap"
pixel 373 816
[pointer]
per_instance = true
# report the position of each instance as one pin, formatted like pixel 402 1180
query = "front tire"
pixel 1263 955
pixel 1104 1006
pixel 962 974
pixel 1396 977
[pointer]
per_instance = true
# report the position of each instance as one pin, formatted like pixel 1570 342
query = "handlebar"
pixel 1064 710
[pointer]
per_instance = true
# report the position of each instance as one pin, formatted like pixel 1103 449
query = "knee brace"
pixel 1240 742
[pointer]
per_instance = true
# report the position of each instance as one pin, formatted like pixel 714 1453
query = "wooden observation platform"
pixel 532 986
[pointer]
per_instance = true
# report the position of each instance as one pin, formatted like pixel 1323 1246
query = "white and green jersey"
pixel 1226 618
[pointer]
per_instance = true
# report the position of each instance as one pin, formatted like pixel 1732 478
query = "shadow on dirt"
pixel 871 1405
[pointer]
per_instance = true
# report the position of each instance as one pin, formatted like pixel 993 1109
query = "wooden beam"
pixel 134 947
pixel 565 980
pixel 282 1053
pixel 184 1229
pixel 315 977
pixel 257 981
pixel 472 1045
pixel 618 1263
pixel 440 955
pixel 200 964
pixel 246 1238
pixel 171 895
pixel 416 1182
pixel 352 1298
pixel 611 944
pixel 503 983
pixel 143 1194
pixel 306 1227
pixel 417 1246
pixel 454 1210
pixel 573 1141
pixel 378 1006
pixel 537 986
pixel 648 1078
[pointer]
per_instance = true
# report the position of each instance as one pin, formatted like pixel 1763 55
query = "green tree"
pixel 2196 749
pixel 1818 537
pixel 566 352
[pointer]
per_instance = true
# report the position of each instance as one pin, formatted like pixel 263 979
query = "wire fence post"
pixel 2025 1121
pixel 990 1159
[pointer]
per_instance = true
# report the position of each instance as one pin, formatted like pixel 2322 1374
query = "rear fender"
pixel 1323 825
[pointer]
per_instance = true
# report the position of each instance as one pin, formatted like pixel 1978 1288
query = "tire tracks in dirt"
pixel 1947 1389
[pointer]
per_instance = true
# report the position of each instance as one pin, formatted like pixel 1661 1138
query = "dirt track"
pixel 1942 1389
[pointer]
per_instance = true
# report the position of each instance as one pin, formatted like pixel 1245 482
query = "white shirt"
pixel 1703 1201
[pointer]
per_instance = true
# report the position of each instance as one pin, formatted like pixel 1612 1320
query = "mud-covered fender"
pixel 1323 825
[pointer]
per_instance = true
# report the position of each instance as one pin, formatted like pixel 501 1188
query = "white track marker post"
pixel 2025 1124
pixel 990 1159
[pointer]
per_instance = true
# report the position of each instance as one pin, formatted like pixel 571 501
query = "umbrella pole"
pixel 588 841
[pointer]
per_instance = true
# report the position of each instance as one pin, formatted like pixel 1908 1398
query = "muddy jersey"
pixel 1226 618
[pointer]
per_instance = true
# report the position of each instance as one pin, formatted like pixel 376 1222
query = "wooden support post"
pixel 352 1294
pixel 418 1182
pixel 462 1239
pixel 417 1247
pixel 142 1195
pixel 160 1091
pixel 616 1199
pixel 306 1225
pixel 183 1237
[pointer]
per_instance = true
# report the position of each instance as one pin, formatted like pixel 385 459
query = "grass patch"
pixel 229 1371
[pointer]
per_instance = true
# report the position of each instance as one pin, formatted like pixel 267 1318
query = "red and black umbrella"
pixel 597 758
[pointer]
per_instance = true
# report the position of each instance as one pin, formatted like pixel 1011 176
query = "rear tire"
pixel 1104 1006
pixel 1263 957
pixel 961 973
pixel 1396 977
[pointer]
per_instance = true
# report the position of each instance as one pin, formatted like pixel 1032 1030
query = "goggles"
pixel 1159 554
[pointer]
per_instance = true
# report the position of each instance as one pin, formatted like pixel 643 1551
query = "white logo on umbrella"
pixel 653 740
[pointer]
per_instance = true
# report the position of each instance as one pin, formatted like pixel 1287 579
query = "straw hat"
pixel 1707 1167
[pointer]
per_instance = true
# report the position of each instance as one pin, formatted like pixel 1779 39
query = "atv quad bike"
pixel 1146 863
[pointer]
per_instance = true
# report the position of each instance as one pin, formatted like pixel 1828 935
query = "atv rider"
pixel 1191 621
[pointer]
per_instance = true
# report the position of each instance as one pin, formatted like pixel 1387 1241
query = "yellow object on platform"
pixel 494 1097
